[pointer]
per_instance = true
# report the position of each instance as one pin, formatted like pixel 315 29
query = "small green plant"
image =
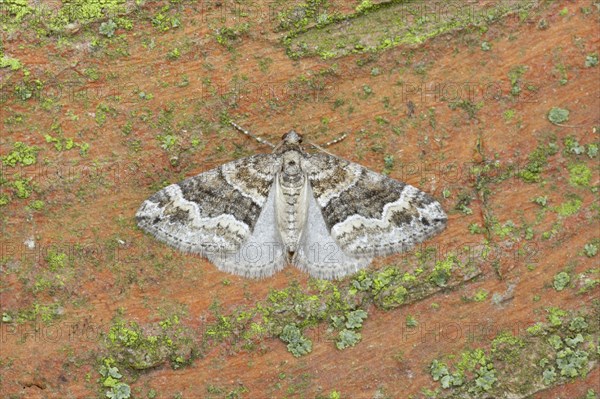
pixel 227 35
pixel 475 228
pixel 167 141
pixel 65 144
pixel 578 324
pixel 508 114
pixel 486 378
pixel 468 106
pixel 411 321
pixel 388 161
pixel 463 202
pixel 439 372
pixel 549 376
pixel 119 391
pixel 143 348
pixel 334 395
pixel 536 329
pixel 515 75
pixel 570 362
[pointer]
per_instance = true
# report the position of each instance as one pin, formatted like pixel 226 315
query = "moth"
pixel 325 215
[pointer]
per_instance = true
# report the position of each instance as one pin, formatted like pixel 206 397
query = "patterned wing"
pixel 222 214
pixel 369 214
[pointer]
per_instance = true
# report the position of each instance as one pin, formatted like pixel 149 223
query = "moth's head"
pixel 292 137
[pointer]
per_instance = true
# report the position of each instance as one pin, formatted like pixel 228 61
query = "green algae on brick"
pixel 376 27
pixel 569 207
pixel 21 154
pixel 579 175
pixel 554 353
pixel 298 344
pixel 143 347
pixel 538 160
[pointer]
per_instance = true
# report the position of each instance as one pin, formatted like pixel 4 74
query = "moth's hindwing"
pixel 318 252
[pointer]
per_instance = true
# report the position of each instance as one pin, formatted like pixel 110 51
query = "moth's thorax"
pixel 292 137
pixel 291 141
pixel 291 199
pixel 291 168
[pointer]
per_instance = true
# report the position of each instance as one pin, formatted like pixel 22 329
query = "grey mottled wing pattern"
pixel 223 214
pixel 369 214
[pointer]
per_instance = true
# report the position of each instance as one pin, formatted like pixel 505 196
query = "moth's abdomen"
pixel 291 201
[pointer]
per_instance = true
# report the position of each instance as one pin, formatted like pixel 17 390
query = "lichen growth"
pixel 569 207
pixel 288 313
pixel 558 115
pixel 579 175
pixel 561 280
pixel 21 154
pixel 538 160
pixel 555 352
pixel 143 347
pixel 372 30
pixel 298 344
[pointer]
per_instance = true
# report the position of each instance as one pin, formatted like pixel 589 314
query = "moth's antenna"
pixel 247 133
pixel 335 141
pixel 329 143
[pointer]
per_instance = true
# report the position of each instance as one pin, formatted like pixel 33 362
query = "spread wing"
pixel 225 214
pixel 369 214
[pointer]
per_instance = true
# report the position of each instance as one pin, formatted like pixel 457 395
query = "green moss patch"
pixel 376 27
pixel 579 175
pixel 144 347
pixel 289 313
pixel 538 160
pixel 556 352
pixel 21 155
